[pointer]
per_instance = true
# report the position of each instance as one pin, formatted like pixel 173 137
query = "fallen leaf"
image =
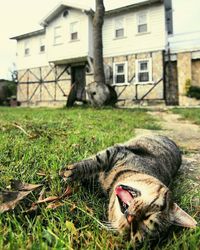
pixel 55 205
pixel 32 209
pixel 19 186
pixel 48 199
pixel 67 192
pixel 41 194
pixel 10 199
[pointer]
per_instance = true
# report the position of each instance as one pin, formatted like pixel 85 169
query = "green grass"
pixel 59 137
pixel 192 114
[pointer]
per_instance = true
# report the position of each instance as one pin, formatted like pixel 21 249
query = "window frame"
pixel 118 29
pixel 26 48
pixel 149 70
pixel 57 38
pixel 72 32
pixel 145 12
pixel 42 47
pixel 125 73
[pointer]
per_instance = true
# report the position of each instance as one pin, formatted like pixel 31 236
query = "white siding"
pixel 68 49
pixel 35 58
pixel 90 44
pixel 154 39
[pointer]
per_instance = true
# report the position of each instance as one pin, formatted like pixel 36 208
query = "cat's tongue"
pixel 124 195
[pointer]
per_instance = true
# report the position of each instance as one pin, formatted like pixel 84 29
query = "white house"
pixel 135 38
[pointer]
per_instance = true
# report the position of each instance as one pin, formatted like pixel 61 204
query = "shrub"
pixel 187 85
pixel 193 92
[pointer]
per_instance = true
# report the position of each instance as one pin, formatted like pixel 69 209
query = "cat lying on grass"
pixel 136 176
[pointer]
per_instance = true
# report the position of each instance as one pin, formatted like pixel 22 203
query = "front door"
pixel 78 78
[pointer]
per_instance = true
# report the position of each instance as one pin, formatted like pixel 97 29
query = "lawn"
pixel 35 141
pixel 192 114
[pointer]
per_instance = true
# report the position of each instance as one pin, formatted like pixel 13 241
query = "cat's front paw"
pixel 67 172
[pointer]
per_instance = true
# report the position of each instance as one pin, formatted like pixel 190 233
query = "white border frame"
pixel 150 70
pixel 126 73
pixel 148 22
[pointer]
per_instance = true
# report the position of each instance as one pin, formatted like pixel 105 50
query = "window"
pixel 74 31
pixel 42 48
pixel 57 35
pixel 27 51
pixel 142 22
pixel 120 73
pixel 42 45
pixel 119 27
pixel 26 48
pixel 144 71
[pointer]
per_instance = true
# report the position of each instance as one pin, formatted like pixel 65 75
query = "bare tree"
pixel 99 75
pixel 98 92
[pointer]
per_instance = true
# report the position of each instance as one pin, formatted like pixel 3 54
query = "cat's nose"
pixel 130 218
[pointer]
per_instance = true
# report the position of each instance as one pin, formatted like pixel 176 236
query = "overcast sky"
pixel 21 16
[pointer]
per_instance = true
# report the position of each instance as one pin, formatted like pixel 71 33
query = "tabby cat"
pixel 136 176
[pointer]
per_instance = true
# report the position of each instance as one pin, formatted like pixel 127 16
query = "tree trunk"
pixel 99 93
pixel 99 75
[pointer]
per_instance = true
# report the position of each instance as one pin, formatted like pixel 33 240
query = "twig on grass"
pixel 23 130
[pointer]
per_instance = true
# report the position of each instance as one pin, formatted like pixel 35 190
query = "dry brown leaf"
pixel 32 209
pixel 55 205
pixel 19 186
pixel 48 199
pixel 67 192
pixel 10 199
pixel 41 194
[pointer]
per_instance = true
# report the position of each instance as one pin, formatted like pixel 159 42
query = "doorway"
pixel 78 82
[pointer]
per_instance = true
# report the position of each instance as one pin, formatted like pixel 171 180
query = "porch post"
pixel 184 67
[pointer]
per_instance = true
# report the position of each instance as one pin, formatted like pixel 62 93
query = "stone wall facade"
pixel 171 83
pixel 184 70
pixel 43 86
pixel 50 85
pixel 134 91
pixel 184 67
pixel 196 72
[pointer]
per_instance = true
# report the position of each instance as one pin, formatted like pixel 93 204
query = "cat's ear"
pixel 181 218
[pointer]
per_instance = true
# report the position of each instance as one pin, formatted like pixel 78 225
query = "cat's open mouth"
pixel 125 195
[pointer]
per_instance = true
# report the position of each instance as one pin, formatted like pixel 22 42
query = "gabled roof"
pixel 61 7
pixel 111 8
pixel 30 34
pixel 125 5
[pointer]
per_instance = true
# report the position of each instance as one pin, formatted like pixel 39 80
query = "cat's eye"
pixel 147 216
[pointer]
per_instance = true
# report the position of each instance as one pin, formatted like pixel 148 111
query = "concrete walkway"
pixel 183 132
pixel 187 137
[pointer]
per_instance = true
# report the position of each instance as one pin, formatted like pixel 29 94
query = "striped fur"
pixel 136 175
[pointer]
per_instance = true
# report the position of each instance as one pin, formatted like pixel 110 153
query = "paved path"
pixel 186 135
pixel 183 132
